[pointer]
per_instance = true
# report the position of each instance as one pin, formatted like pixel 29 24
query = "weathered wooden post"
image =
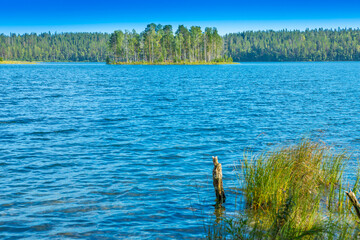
pixel 354 201
pixel 217 182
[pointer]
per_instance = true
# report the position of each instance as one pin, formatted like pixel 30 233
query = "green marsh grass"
pixel 295 192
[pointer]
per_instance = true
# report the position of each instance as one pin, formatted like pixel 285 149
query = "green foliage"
pixel 218 60
pixel 1 59
pixel 293 193
pixel 47 47
pixel 107 60
pixel 157 43
pixel 309 45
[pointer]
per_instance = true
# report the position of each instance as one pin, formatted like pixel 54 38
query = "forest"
pixel 159 43
pixel 47 47
pixel 309 45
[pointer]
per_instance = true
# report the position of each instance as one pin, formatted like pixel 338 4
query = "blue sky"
pixel 26 16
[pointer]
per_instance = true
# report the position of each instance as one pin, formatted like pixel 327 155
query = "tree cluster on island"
pixel 158 44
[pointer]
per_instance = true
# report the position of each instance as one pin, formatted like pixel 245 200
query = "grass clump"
pixel 294 192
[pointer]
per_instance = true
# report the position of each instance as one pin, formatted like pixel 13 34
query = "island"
pixel 158 45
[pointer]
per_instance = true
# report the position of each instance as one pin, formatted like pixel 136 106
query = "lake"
pixel 92 151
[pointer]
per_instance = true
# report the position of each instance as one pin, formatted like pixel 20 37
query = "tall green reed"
pixel 295 192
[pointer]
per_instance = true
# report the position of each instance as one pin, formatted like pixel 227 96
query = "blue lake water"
pixel 92 151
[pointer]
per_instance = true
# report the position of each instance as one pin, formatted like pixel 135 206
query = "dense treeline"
pixel 309 45
pixel 158 43
pixel 75 47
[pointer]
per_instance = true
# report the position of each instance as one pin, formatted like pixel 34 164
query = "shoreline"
pixel 17 62
pixel 167 63
pixel 172 63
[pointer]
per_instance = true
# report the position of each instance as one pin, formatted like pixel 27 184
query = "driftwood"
pixel 217 182
pixel 354 201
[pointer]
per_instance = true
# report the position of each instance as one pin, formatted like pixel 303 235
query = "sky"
pixel 27 16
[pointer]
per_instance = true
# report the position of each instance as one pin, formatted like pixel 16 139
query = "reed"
pixel 294 192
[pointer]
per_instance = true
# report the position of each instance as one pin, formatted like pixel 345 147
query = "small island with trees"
pixel 157 45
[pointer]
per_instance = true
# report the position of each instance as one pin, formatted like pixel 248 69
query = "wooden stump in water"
pixel 217 182
pixel 354 201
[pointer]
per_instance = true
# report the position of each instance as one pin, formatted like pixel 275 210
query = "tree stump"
pixel 217 182
pixel 354 201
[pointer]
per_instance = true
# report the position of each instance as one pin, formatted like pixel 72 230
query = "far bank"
pixel 171 63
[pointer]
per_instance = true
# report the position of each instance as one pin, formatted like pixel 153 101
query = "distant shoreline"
pixel 17 62
pixel 172 63
pixel 169 63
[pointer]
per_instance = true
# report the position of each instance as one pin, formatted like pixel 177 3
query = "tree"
pixel 196 35
pixel 183 35
pixel 149 35
pixel 168 42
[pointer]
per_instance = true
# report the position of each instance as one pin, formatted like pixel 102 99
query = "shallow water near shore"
pixel 92 151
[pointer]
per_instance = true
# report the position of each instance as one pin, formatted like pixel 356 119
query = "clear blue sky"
pixel 26 16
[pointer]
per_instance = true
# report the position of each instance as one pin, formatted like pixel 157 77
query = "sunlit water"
pixel 124 152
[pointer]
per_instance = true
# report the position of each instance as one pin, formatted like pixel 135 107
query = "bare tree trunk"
pixel 354 201
pixel 217 182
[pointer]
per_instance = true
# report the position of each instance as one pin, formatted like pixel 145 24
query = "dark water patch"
pixel 41 133
pixel 114 119
pixel 54 95
pixel 74 210
pixel 136 192
pixel 171 156
pixel 57 165
pixel 108 193
pixel 41 227
pixel 19 121
pixel 88 234
pixel 13 229
pixel 41 139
